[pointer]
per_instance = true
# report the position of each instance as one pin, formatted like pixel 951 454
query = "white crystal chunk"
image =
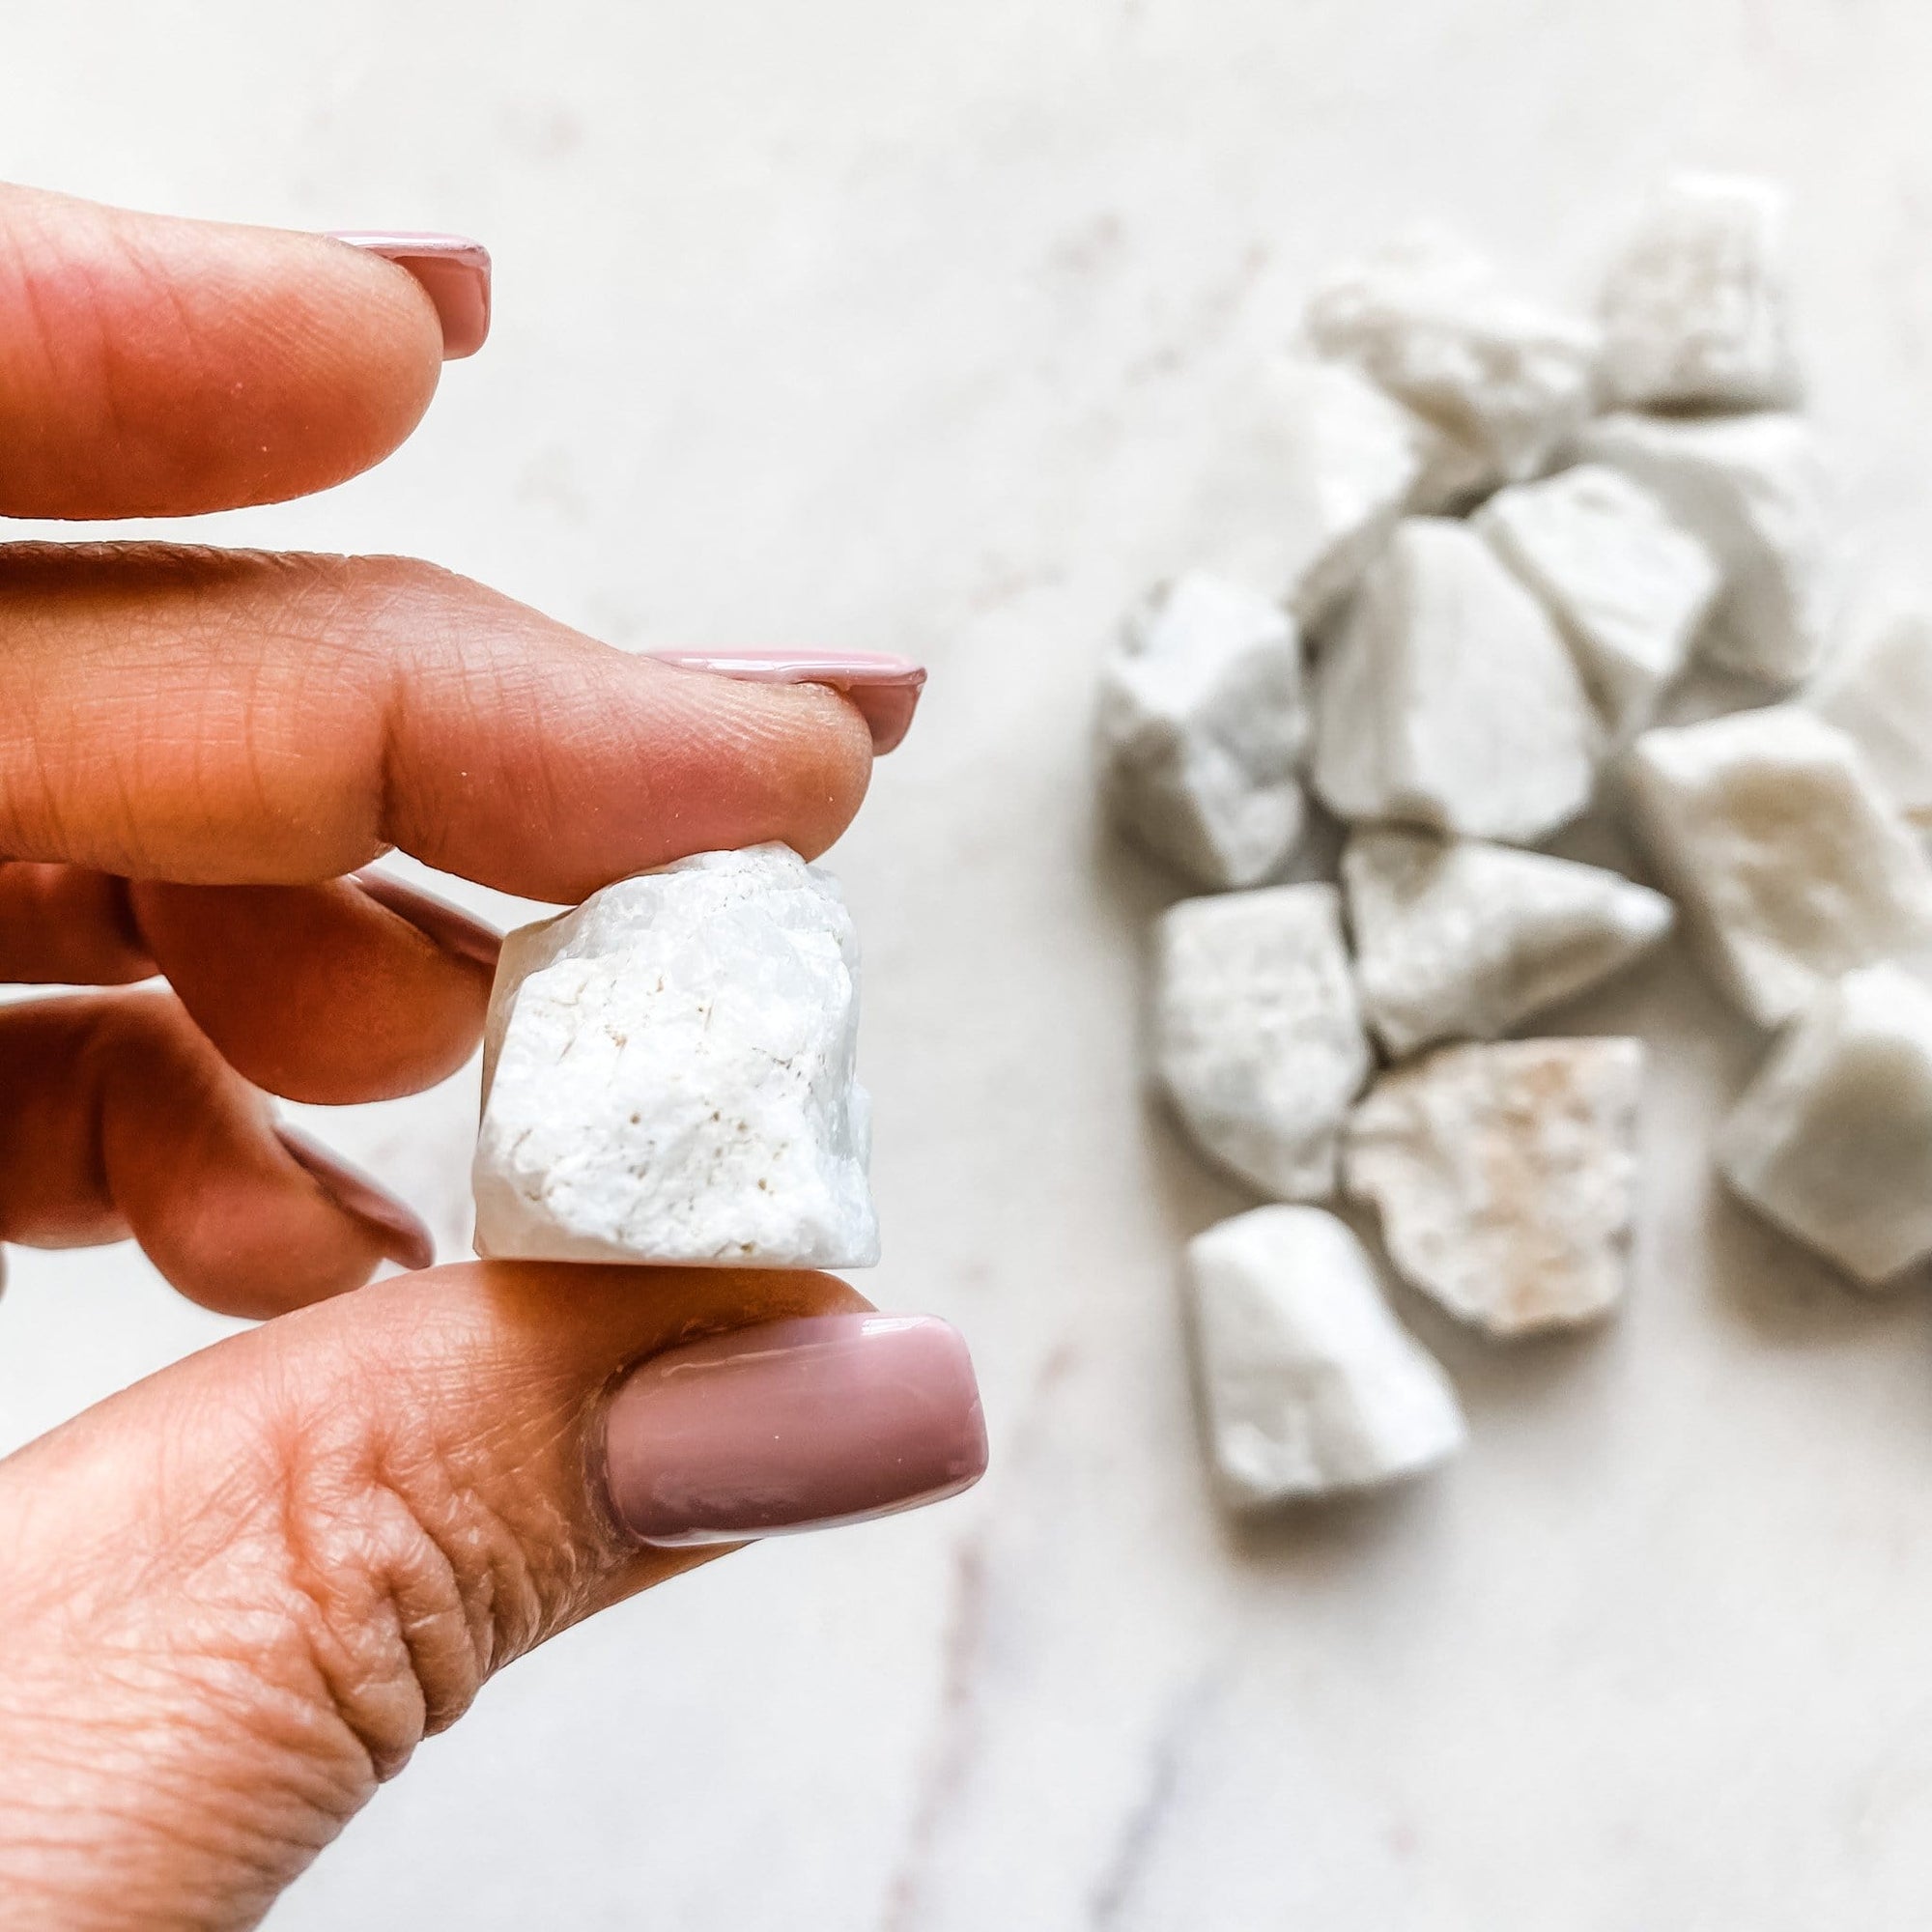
pixel 1257 1040
pixel 1629 586
pixel 1505 380
pixel 669 1075
pixel 1306 482
pixel 1447 698
pixel 1787 862
pixel 1877 686
pixel 1310 1383
pixel 1505 1175
pixel 1455 939
pixel 1754 489
pixel 1832 1140
pixel 1201 727
pixel 1696 307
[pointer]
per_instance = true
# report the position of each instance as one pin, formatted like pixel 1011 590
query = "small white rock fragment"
pixel 1447 698
pixel 1505 380
pixel 1505 1175
pixel 1787 863
pixel 1877 686
pixel 1309 1381
pixel 1832 1140
pixel 1258 1039
pixel 669 1075
pixel 1695 308
pixel 1201 727
pixel 1455 939
pixel 1305 482
pixel 1754 489
pixel 1628 586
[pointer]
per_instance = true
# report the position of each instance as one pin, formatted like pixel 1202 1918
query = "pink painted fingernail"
pixel 884 688
pixel 795 1424
pixel 455 275
pixel 450 927
pixel 400 1236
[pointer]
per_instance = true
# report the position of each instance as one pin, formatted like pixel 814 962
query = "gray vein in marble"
pixel 1142 1827
pixel 955 1735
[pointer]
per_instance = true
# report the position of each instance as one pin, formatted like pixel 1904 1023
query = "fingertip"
pixel 829 742
pixel 802 763
pixel 164 367
pixel 399 1232
pixel 452 271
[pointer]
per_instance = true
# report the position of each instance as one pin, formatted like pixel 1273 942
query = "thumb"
pixel 239 1593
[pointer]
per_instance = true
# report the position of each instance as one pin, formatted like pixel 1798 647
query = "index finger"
pixel 155 366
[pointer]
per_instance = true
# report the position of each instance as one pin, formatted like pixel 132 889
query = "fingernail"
pixel 401 1236
pixel 886 689
pixel 449 927
pixel 455 275
pixel 795 1424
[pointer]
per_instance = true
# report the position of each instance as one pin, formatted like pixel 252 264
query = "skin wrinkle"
pixel 443 1590
pixel 170 1730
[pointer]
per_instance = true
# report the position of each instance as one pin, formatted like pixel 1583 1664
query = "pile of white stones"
pixel 1504 538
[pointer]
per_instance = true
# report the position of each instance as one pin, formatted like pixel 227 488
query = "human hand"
pixel 236 1594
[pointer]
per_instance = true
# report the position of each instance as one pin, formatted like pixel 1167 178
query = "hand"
pixel 236 1594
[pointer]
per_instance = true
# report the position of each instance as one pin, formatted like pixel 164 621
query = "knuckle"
pixel 409 1588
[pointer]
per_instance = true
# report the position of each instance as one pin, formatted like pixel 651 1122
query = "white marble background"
pixel 907 325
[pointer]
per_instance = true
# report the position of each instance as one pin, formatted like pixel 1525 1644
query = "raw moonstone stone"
pixel 1788 864
pixel 1752 488
pixel 1503 380
pixel 1628 586
pixel 1877 686
pixel 1460 940
pixel 667 1076
pixel 1308 473
pixel 1832 1140
pixel 1695 307
pixel 1309 1381
pixel 1201 729
pixel 1447 698
pixel 1257 1038
pixel 1506 1175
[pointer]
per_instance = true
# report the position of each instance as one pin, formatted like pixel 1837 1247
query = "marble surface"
pixel 916 328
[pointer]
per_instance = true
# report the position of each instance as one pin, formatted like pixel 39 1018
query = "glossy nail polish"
pixel 449 926
pixel 400 1236
pixel 886 689
pixel 455 275
pixel 791 1426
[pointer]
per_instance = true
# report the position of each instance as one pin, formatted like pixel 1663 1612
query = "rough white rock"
pixel 1832 1140
pixel 1309 1381
pixel 1788 866
pixel 1258 1039
pixel 1877 686
pixel 1446 697
pixel 1504 379
pixel 1201 727
pixel 667 1076
pixel 1753 488
pixel 1309 466
pixel 1695 307
pixel 1628 586
pixel 1455 939
pixel 1505 1175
